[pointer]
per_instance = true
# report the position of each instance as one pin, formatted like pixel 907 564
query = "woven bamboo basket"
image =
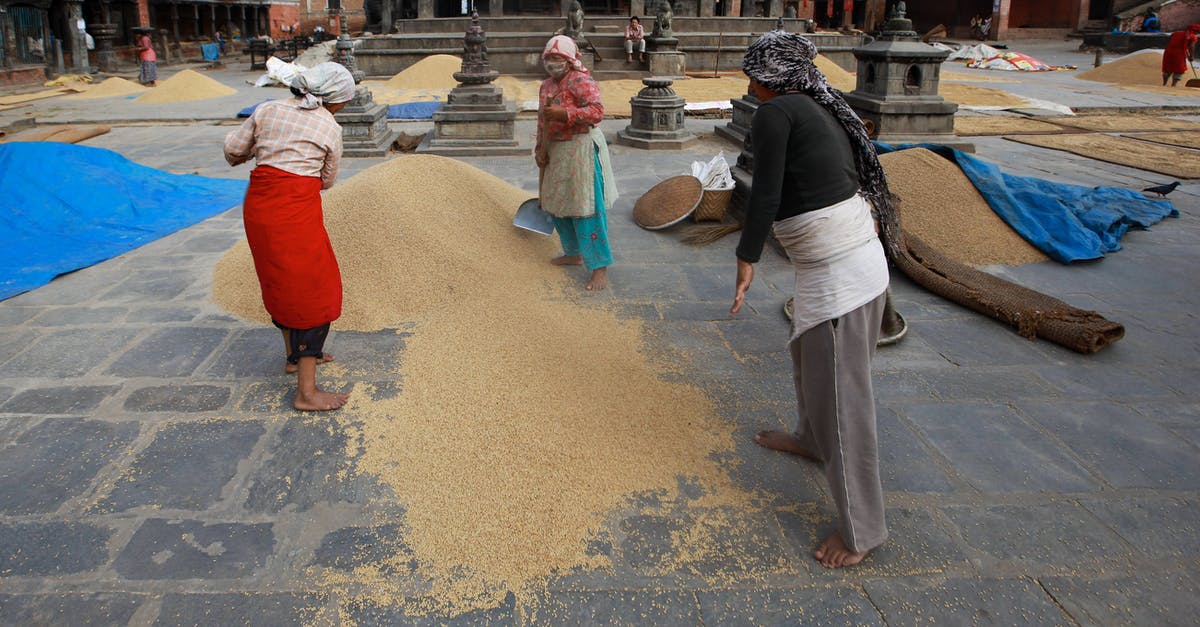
pixel 712 205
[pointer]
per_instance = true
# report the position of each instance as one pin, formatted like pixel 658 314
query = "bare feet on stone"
pixel 599 280
pixel 293 368
pixel 783 441
pixel 567 260
pixel 319 400
pixel 833 553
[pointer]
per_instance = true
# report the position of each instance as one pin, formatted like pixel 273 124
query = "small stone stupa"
pixel 656 122
pixel 476 120
pixel 897 88
pixel 365 131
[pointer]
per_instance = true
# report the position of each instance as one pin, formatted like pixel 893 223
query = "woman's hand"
pixel 541 158
pixel 555 113
pixel 745 276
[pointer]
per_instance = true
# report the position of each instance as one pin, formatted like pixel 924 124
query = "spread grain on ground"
pixel 1125 123
pixel 976 96
pixel 528 412
pixel 185 86
pixel 1000 125
pixel 1183 139
pixel 1169 160
pixel 115 86
pixel 433 72
pixel 939 204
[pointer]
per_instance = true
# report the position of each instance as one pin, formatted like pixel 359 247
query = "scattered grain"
pixel 940 205
pixel 526 419
pixel 1125 123
pixel 1185 139
pixel 185 86
pixel 975 96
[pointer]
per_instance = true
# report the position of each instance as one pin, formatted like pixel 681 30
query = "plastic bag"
pixel 715 174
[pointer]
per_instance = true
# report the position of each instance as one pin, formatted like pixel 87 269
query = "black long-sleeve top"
pixel 803 161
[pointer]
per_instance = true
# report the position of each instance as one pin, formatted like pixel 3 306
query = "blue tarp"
pixel 404 111
pixel 210 52
pixel 1067 222
pixel 64 207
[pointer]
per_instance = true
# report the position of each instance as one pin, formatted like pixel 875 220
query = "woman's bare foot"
pixel 783 441
pixel 293 368
pixel 567 260
pixel 833 553
pixel 318 400
pixel 599 280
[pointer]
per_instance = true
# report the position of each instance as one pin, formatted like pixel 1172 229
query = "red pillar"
pixel 143 13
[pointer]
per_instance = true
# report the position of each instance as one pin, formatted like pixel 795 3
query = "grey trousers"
pixel 832 367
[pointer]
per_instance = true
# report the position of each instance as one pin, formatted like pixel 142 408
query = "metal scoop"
pixel 531 217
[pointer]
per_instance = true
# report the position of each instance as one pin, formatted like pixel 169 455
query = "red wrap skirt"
pixel 301 283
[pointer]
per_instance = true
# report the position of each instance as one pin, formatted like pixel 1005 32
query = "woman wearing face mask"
pixel 576 185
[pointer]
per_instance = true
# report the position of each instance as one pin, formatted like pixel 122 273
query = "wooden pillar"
pixel 143 13
pixel 637 8
pixel 496 8
pixel 707 7
pixel 425 8
pixel 196 34
pixel 848 14
pixel 7 28
pixel 1000 11
pixel 1081 18
pixel 175 20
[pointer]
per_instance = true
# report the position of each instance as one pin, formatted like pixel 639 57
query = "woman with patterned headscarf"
pixel 576 183
pixel 816 176
pixel 297 145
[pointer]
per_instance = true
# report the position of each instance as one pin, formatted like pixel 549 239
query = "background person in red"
pixel 1178 54
pixel 147 59
pixel 297 145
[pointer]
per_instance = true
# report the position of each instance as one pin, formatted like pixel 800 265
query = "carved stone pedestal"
pixel 106 58
pixel 738 128
pixel 365 132
pixel 657 118
pixel 474 121
pixel 664 58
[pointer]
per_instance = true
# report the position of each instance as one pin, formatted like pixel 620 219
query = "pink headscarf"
pixel 565 46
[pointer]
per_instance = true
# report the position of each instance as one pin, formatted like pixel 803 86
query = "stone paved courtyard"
pixel 153 472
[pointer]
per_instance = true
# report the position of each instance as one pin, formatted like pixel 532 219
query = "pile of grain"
pixel 838 78
pixel 1001 125
pixel 432 72
pixel 1142 68
pixel 939 204
pixel 114 86
pixel 525 419
pixel 65 134
pixel 517 89
pixel 185 86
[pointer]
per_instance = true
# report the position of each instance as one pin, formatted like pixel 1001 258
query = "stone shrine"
pixel 476 120
pixel 897 88
pixel 662 53
pixel 365 131
pixel 656 122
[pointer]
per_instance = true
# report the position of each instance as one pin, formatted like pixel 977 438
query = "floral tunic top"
pixel 579 94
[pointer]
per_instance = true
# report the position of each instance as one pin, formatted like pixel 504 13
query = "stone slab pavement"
pixel 141 426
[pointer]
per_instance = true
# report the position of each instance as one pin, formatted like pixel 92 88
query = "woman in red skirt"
pixel 1178 54
pixel 297 145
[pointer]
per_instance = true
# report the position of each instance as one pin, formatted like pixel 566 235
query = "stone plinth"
pixel 365 132
pixel 897 89
pixel 106 57
pixel 656 122
pixel 664 58
pixel 738 128
pixel 474 121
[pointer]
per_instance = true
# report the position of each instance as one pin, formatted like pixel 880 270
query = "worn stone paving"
pixel 152 471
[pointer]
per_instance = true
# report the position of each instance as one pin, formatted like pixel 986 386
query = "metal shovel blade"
pixel 531 217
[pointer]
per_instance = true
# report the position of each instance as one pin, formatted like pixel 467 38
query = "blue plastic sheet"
pixel 64 207
pixel 404 111
pixel 210 52
pixel 1067 222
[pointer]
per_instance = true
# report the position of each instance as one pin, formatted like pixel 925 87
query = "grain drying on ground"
pixel 1141 68
pixel 940 205
pixel 185 86
pixel 974 76
pixel 22 98
pixel 1178 162
pixel 432 72
pixel 1184 139
pixel 1125 123
pixel 529 413
pixel 115 86
pixel 1000 125
pixel 976 96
